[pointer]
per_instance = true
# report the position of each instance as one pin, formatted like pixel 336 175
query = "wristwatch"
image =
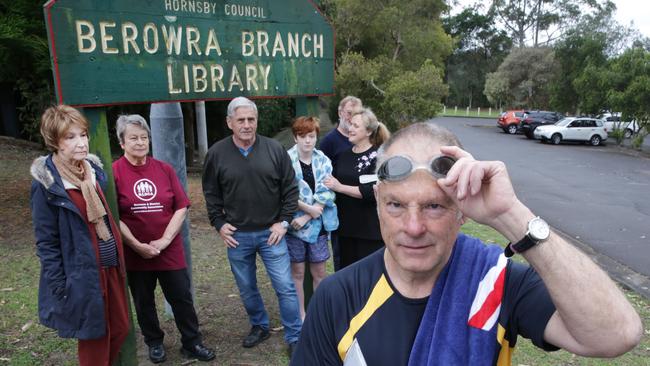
pixel 538 231
pixel 285 224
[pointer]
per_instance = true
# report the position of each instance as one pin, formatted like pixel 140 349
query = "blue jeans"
pixel 276 260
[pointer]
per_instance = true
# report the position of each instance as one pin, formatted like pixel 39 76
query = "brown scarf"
pixel 81 177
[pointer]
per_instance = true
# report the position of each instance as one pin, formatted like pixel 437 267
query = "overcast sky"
pixel 634 10
pixel 637 11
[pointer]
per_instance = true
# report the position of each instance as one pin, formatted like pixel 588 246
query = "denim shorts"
pixel 299 250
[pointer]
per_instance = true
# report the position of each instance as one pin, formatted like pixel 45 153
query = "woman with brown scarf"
pixel 82 288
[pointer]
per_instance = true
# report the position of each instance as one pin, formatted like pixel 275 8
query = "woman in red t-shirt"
pixel 153 207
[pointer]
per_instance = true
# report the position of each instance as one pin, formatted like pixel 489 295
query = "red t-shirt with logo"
pixel 148 195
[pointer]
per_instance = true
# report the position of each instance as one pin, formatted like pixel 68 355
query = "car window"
pixel 589 123
pixel 519 114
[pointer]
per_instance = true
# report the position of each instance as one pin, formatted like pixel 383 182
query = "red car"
pixel 509 120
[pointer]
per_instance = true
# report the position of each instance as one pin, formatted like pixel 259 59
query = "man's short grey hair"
pixel 420 131
pixel 350 99
pixel 238 103
pixel 130 119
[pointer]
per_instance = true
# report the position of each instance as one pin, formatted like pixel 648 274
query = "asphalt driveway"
pixel 598 196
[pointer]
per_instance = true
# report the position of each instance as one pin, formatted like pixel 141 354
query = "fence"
pixel 471 112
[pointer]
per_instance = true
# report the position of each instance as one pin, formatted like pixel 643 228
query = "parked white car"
pixel 612 121
pixel 583 129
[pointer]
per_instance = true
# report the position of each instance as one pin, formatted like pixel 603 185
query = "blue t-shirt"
pixel 333 144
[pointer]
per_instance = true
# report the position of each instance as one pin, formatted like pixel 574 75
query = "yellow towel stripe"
pixel 378 296
pixel 505 355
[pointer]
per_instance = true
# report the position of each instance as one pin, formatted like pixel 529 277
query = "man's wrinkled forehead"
pixel 419 148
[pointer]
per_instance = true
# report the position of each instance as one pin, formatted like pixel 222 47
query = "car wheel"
pixel 595 140
pixel 628 133
pixel 556 139
pixel 512 129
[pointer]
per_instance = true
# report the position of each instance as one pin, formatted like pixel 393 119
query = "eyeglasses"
pixel 400 167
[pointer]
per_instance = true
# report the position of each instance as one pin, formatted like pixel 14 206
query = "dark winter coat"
pixel 70 294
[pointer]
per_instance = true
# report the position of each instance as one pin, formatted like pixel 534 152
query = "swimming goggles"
pixel 400 167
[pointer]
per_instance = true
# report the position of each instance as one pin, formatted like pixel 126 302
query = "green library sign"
pixel 119 51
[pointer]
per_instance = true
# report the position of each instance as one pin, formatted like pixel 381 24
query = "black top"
pixel 308 175
pixel 387 336
pixel 357 216
pixel 250 192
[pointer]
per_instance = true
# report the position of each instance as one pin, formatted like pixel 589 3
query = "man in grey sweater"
pixel 251 196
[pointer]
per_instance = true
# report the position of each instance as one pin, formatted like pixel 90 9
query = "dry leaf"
pixel 27 325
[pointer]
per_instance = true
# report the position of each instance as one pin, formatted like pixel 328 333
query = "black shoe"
pixel 256 336
pixel 198 351
pixel 292 348
pixel 157 354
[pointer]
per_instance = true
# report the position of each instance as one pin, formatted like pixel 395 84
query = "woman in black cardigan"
pixel 358 232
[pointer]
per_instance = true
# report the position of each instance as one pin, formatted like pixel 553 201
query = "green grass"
pixel 472 112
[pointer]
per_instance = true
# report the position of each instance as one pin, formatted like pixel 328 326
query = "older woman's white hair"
pixel 130 119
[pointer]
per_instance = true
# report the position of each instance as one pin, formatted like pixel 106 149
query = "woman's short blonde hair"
pixel 56 121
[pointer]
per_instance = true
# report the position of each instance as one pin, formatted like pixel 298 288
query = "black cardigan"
pixel 357 217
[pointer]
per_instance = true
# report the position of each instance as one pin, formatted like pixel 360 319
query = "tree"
pixel 537 22
pixel 628 84
pixel 390 50
pixel 576 88
pixel 497 89
pixel 25 59
pixel 528 72
pixel 480 49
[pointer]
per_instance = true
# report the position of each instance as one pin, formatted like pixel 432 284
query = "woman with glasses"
pixel 352 180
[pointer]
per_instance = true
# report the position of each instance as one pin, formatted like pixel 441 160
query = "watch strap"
pixel 520 246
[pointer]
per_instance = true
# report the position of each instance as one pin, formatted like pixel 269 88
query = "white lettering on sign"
pixel 195 78
pixel 238 10
pixel 191 6
pixel 105 37
pixel 299 45
pixel 129 34
pixel 210 73
pixel 192 43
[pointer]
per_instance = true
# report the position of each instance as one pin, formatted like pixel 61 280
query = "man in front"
pixel 437 297
pixel 251 196
pixel 333 144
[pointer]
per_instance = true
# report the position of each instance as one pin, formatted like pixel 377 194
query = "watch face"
pixel 538 229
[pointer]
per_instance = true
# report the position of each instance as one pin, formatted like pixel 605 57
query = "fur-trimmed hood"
pixel 43 175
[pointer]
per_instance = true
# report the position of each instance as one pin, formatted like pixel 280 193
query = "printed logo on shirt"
pixel 145 190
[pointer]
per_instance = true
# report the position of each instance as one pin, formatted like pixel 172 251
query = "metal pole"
pixel 168 145
pixel 201 130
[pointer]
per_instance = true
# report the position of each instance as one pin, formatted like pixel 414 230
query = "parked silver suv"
pixel 612 122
